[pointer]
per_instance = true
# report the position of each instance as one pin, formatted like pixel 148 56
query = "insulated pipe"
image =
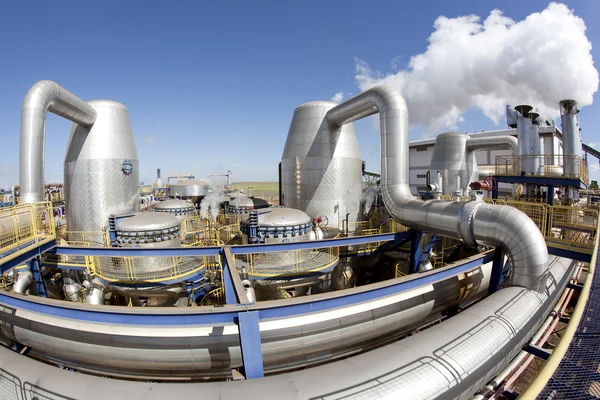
pixel 494 142
pixel 473 222
pixel 24 279
pixel 71 287
pixel 96 293
pixel 571 137
pixel 42 97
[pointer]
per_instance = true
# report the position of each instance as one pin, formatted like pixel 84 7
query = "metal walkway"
pixel 578 375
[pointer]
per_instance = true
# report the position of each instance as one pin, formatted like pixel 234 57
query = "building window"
pixel 421 148
pixel 421 176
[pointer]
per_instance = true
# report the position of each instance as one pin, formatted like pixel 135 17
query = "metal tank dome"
pixel 278 225
pixel 243 204
pixel 179 208
pixel 321 167
pixel 147 228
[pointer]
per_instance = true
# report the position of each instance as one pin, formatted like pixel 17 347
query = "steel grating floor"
pixel 578 375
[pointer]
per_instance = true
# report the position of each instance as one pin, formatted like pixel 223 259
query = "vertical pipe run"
pixel 535 143
pixel 42 97
pixel 571 138
pixel 524 133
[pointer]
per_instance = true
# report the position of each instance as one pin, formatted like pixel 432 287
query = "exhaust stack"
pixel 571 138
pixel 529 162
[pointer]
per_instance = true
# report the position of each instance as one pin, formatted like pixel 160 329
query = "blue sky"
pixel 212 86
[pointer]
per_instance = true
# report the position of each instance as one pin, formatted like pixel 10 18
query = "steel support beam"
pixel 415 250
pixel 26 256
pixel 250 344
pixel 234 290
pixel 35 267
pixel 497 271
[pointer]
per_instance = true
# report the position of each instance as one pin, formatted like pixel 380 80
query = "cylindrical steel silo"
pixel 452 158
pixel 571 137
pixel 101 169
pixel 321 170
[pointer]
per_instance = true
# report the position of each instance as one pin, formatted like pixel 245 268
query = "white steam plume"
pixel 212 202
pixel 368 199
pixel 538 61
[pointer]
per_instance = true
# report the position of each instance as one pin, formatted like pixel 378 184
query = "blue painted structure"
pixel 248 316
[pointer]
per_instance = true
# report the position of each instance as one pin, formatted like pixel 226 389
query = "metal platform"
pixel 578 375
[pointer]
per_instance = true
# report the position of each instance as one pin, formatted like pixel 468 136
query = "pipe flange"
pixel 465 222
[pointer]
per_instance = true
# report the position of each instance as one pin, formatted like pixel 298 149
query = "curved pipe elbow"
pixel 95 294
pixel 24 279
pixel 518 236
pixel 42 97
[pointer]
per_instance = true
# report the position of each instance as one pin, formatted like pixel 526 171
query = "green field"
pixel 264 190
pixel 257 185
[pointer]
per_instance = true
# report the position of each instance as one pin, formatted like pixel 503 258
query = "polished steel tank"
pixel 179 208
pixel 150 230
pixel 286 273
pixel 452 158
pixel 321 167
pixel 101 169
pixel 243 204
pixel 191 189
pixel 571 137
pixel 529 140
pixel 278 225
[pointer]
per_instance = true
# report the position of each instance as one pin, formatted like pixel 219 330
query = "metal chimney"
pixel 535 142
pixel 525 139
pixel 571 138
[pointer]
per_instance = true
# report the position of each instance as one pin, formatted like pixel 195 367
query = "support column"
pixel 497 269
pixel 234 290
pixel 415 250
pixel 250 344
pixel 34 266
pixel 550 195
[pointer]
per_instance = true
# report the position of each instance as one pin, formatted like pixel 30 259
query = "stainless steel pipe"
pixel 42 97
pixel 473 222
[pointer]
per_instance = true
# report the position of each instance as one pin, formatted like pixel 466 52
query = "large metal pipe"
pixel 24 279
pixel 450 360
pixel 44 96
pixel 473 222
pixel 571 138
pixel 494 142
pixel 528 160
pixel 95 294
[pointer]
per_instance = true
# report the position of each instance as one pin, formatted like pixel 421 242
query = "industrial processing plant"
pixel 460 265
pixel 230 293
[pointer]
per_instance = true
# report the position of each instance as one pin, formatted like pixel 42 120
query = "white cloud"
pixel 539 61
pixel 338 97
pixel 595 145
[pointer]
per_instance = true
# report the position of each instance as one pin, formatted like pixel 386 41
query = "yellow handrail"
pixel 560 350
pixel 24 227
